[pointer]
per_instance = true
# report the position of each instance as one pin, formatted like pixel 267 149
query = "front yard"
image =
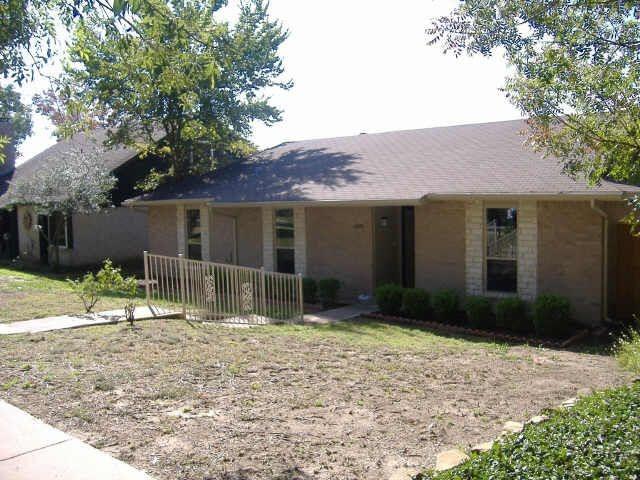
pixel 354 400
pixel 25 295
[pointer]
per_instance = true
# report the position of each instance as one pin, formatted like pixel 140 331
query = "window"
pixel 285 252
pixel 502 250
pixel 60 230
pixel 194 235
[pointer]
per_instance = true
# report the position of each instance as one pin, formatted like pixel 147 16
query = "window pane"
pixel 284 228
pixel 194 235
pixel 502 276
pixel 502 233
pixel 57 224
pixel 285 260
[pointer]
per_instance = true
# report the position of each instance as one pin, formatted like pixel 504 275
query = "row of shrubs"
pixel 325 290
pixel 549 315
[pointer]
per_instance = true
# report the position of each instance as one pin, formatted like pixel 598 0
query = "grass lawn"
pixel 350 401
pixel 26 295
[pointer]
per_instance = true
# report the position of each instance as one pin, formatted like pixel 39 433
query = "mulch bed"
pixel 494 334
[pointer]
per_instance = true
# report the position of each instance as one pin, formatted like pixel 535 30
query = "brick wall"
pixel 268 254
pixel 162 230
pixel 440 246
pixel 181 230
pixel 527 249
pixel 474 248
pixel 300 240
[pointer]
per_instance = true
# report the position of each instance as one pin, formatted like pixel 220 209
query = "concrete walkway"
pixel 31 449
pixel 47 324
pixel 339 314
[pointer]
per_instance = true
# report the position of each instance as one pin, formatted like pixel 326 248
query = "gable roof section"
pixel 91 143
pixel 478 159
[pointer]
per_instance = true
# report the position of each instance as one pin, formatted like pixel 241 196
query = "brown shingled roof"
pixel 478 159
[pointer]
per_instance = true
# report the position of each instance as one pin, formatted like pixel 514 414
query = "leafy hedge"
pixel 598 438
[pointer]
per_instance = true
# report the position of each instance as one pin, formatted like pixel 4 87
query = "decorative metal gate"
pixel 219 292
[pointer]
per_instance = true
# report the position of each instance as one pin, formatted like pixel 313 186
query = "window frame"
pixel 276 247
pixel 486 258
pixel 188 235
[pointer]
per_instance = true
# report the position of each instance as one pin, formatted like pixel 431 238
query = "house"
pixel 465 207
pixel 84 239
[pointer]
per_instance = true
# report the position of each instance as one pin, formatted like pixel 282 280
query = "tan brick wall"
pixel 570 256
pixel 440 246
pixel 268 253
pixel 527 249
pixel 340 245
pixel 300 239
pixel 163 239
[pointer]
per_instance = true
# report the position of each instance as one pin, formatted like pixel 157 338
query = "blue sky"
pixel 361 66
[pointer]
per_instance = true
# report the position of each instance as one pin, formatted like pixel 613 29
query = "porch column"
pixel 300 240
pixel 267 239
pixel 181 229
pixel 474 255
pixel 205 236
pixel 528 249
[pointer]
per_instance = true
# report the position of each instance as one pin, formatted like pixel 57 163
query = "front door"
pixel 408 247
pixel 628 274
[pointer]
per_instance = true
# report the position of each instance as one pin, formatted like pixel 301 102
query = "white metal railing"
pixel 219 292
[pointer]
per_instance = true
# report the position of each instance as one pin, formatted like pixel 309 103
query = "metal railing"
pixel 218 292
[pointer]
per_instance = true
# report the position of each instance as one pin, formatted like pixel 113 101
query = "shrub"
pixel 88 289
pixel 328 289
pixel 479 312
pixel 309 290
pixel 389 298
pixel 415 303
pixel 445 305
pixel 628 351
pixel 551 315
pixel 511 314
pixel 129 288
pixel 597 438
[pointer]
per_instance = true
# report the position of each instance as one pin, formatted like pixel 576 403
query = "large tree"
pixel 177 80
pixel 576 67
pixel 18 115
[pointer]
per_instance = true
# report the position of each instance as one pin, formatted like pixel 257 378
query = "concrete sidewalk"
pixel 339 314
pixel 47 324
pixel 31 449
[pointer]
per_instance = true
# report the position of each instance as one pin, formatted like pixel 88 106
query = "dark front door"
pixel 44 243
pixel 8 234
pixel 628 274
pixel 408 247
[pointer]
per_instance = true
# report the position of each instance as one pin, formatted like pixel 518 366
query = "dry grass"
pixel 352 400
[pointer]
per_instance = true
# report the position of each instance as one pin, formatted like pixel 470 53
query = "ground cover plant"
pixel 598 438
pixel 353 400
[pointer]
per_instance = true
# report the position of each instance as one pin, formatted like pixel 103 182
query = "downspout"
pixel 605 260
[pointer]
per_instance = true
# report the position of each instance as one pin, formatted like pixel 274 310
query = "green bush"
pixel 511 314
pixel 628 351
pixel 479 312
pixel 389 298
pixel 415 303
pixel 445 304
pixel 309 290
pixel 551 316
pixel 597 438
pixel 328 289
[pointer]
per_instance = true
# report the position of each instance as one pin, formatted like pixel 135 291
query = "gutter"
pixel 605 259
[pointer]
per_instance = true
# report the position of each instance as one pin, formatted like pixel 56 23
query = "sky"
pixel 360 66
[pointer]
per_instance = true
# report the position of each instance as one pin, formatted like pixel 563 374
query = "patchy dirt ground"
pixel 349 401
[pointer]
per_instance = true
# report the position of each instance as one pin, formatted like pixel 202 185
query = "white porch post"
pixel 205 237
pixel 181 229
pixel 300 240
pixel 528 249
pixel 267 239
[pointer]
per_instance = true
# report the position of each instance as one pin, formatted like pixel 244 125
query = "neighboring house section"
pixel 467 208
pixel 8 219
pixel 84 239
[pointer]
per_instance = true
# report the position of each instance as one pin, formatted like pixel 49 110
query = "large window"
pixel 502 250
pixel 285 253
pixel 60 230
pixel 194 235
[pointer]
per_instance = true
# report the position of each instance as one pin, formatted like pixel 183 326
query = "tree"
pixel 576 74
pixel 74 184
pixel 17 114
pixel 178 81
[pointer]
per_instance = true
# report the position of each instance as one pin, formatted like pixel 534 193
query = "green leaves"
pixel 577 73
